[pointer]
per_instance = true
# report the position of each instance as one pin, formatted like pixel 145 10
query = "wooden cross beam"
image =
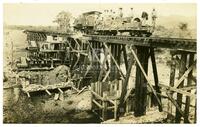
pixel 185 74
pixel 107 74
pixel 168 88
pixel 179 62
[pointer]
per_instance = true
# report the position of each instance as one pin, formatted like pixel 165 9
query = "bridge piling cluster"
pixel 96 61
pixel 115 51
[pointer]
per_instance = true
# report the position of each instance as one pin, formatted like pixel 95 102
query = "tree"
pixel 63 20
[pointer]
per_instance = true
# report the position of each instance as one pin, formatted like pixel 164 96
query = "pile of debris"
pixel 44 80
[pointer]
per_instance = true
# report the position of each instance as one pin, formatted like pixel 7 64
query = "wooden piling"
pixel 124 88
pixel 155 76
pixel 141 82
pixel 172 79
pixel 125 57
pixel 105 105
pixel 195 112
pixel 115 109
pixel 182 69
pixel 189 82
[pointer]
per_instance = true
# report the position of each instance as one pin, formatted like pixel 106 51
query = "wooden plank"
pixel 75 89
pixel 82 90
pixel 105 105
pixel 155 75
pixel 168 88
pixel 192 87
pixel 99 105
pixel 106 76
pixel 195 112
pixel 185 74
pixel 28 94
pixel 96 95
pixel 111 108
pixel 182 69
pixel 146 77
pixel 104 63
pixel 96 57
pixel 175 103
pixel 189 82
pixel 172 79
pixel 125 57
pixel 48 92
pixel 60 90
pixel 124 87
pixel 141 82
pixel 127 94
pixel 111 101
pixel 116 117
pixel 171 43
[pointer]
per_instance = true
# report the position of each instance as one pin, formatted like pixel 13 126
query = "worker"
pixel 114 15
pixel 154 16
pixel 131 13
pixel 144 18
pixel 120 13
pixel 110 13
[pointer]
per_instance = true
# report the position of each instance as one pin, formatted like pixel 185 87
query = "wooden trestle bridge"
pixel 109 84
pixel 97 60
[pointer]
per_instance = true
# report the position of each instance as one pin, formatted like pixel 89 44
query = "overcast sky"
pixel 44 14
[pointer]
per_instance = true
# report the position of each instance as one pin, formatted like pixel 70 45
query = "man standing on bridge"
pixel 154 16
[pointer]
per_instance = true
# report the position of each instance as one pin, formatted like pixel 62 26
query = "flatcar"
pixel 107 23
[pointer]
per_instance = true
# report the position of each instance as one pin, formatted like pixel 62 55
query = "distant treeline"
pixel 23 27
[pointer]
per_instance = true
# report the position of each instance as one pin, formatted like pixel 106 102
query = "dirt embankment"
pixel 42 108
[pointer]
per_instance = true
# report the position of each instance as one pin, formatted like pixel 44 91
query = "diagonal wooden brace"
pixel 114 61
pixel 97 57
pixel 185 74
pixel 145 75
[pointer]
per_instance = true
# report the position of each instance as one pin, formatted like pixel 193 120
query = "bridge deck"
pixel 160 42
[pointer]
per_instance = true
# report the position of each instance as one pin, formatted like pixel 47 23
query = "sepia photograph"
pixel 99 63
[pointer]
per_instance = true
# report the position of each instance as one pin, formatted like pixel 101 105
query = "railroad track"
pixel 160 42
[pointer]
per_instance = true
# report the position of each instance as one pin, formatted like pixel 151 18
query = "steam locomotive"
pixel 107 23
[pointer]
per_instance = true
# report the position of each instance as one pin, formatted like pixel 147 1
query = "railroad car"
pixel 95 22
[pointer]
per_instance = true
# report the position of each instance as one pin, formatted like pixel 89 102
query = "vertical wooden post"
pixel 115 109
pixel 141 83
pixel 125 57
pixel 182 69
pixel 124 88
pixel 104 110
pixel 195 112
pixel 113 66
pixel 189 82
pixel 172 79
pixel 155 76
